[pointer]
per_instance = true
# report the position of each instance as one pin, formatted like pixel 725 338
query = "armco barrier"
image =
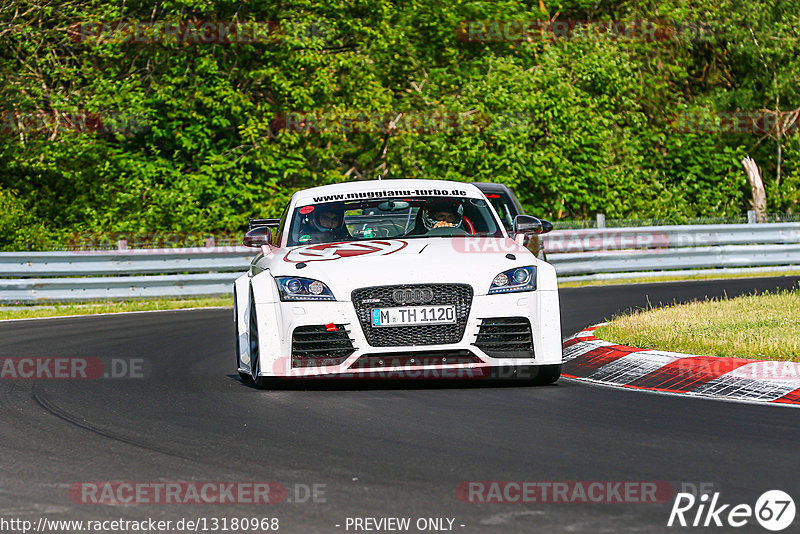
pixel 27 277
pixel 642 252
pixel 573 263
pixel 576 254
pixel 132 261
pixel 115 287
pixel 659 237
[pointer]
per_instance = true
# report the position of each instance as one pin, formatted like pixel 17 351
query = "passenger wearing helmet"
pixel 443 214
pixel 325 225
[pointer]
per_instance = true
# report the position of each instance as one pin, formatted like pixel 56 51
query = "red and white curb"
pixel 594 360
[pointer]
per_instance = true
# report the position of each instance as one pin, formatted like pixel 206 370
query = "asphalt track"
pixel 381 449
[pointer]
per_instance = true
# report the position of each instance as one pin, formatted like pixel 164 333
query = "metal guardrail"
pixel 576 254
pixel 643 252
pixel 115 287
pixel 659 237
pixel 27 277
pixel 682 258
pixel 132 261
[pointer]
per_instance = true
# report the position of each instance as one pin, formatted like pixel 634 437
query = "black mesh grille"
pixel 506 337
pixel 316 346
pixel 459 295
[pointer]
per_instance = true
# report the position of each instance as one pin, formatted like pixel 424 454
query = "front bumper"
pixel 279 320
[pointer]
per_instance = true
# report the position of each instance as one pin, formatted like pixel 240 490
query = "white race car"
pixel 396 279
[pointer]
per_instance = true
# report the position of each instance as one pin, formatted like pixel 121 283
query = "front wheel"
pixel 260 382
pixel 244 377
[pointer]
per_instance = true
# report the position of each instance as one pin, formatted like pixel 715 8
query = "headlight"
pixel 294 288
pixel 518 279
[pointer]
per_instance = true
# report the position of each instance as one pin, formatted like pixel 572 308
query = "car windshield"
pixel 386 218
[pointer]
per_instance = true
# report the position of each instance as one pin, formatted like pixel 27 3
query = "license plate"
pixel 413 315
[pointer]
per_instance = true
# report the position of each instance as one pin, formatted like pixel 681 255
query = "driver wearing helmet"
pixel 443 214
pixel 326 225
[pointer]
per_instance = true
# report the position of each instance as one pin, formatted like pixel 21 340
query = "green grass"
pixel 761 327
pixel 64 310
pixel 676 278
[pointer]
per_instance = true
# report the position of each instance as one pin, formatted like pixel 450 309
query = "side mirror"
pixel 526 224
pixel 257 237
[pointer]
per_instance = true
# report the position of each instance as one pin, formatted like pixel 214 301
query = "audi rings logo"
pixel 412 296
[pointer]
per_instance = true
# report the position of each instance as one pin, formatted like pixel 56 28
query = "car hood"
pixel 350 265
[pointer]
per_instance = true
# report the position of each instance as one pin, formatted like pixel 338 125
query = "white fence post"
pixel 601 220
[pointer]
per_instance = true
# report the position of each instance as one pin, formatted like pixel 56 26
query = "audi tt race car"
pixel 395 279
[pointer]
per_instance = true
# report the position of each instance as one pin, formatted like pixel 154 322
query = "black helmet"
pixel 335 209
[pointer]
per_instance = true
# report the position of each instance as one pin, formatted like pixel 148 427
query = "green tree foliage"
pixel 18 228
pixel 101 132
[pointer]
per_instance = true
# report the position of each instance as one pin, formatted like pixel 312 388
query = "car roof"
pixel 309 195
pixel 491 186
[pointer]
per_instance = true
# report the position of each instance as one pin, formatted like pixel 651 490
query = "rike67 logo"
pixel 774 510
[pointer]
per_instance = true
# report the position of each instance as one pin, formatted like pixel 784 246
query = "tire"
pixel 548 374
pixel 259 382
pixel 244 377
